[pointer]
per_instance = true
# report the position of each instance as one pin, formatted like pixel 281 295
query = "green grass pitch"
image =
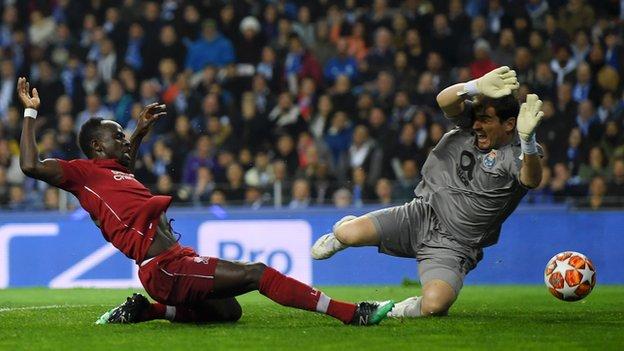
pixel 484 318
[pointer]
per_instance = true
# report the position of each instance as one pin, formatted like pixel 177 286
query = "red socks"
pixel 290 292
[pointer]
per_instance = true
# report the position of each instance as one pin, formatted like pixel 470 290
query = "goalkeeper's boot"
pixel 130 311
pixel 371 313
pixel 327 245
pixel 407 308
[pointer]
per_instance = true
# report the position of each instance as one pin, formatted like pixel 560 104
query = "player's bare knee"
pixel 253 273
pixel 348 233
pixel 435 308
pixel 437 300
pixel 233 313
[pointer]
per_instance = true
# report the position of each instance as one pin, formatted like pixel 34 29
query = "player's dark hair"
pixel 506 107
pixel 89 131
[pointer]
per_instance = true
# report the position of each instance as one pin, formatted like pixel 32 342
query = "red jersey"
pixel 126 211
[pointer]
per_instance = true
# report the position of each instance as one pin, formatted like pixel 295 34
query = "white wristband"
pixel 529 147
pixel 470 88
pixel 30 112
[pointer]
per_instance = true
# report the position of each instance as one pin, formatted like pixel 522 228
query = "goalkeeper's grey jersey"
pixel 472 192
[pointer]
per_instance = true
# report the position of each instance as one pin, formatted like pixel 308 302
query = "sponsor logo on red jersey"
pixel 117 175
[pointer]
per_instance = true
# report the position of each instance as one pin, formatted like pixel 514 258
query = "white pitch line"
pixel 48 307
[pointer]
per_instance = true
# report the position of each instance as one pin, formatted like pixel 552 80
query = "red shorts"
pixel 178 276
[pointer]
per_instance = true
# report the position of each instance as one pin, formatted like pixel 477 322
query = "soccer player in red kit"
pixel 187 287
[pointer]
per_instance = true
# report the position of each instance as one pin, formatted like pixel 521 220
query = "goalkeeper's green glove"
pixel 529 117
pixel 495 84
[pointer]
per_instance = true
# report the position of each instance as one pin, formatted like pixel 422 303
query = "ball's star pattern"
pixel 560 265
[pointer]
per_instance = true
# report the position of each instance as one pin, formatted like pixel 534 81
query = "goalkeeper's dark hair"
pixel 506 107
pixel 89 131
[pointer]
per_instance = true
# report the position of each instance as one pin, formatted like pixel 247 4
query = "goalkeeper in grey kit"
pixel 471 182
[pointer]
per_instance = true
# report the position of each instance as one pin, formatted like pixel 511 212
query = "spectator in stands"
pixel 211 49
pixel 482 62
pixel 563 186
pixel 160 161
pixel 363 153
pixel 563 64
pixel 118 102
pixel 575 15
pixel 17 198
pixel 341 96
pixel 169 45
pixel 342 198
pixel 202 156
pixel 323 182
pixel 300 63
pixel 383 191
pixel 361 189
pixel 269 68
pixel 597 197
pixel 217 198
pixel 253 198
pixel 204 186
pixel 342 64
pixel 615 186
pixel 587 121
pixel 285 116
pixel 300 195
pixel 4 188
pixel 234 190
pixel 304 27
pixel 380 56
pixel 7 85
pixel 319 122
pixel 612 139
pixel 584 89
pixel 407 180
pixel 261 174
pixel 285 150
pixel 322 47
pixel 51 199
pixel 504 54
pixel 250 42
pixel 94 108
pixel 338 138
pixel 597 165
pixel 66 137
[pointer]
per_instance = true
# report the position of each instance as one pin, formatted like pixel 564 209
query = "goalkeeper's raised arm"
pixel 495 84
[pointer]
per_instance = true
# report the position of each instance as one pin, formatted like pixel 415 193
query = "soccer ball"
pixel 570 276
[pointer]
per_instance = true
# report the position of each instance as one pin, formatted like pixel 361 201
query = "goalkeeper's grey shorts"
pixel 413 230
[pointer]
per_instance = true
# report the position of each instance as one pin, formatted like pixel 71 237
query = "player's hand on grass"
pixel 24 94
pixel 495 84
pixel 150 114
pixel 529 117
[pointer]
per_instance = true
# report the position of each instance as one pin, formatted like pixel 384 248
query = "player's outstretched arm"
pixel 47 170
pixel 529 117
pixel 150 114
pixel 495 84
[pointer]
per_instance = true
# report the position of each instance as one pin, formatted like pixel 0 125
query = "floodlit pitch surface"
pixel 484 318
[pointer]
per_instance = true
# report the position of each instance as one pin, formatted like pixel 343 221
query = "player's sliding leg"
pixel 209 311
pixel 235 279
pixel 349 231
pixel 138 309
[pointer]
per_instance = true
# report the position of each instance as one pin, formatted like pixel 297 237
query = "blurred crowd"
pixel 307 103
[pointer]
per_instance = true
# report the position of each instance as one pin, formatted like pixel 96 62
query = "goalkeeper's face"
pixel 490 132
